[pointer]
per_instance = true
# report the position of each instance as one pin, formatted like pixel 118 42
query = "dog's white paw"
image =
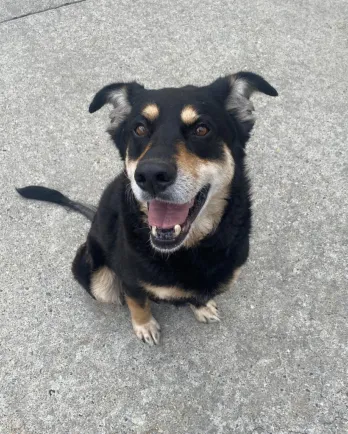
pixel 208 313
pixel 148 332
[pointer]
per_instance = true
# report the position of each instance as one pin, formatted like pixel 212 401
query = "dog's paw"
pixel 148 332
pixel 208 313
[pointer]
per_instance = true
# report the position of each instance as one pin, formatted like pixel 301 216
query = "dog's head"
pixel 181 147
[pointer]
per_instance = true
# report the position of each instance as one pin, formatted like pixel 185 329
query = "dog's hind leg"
pixel 106 286
pixel 82 267
pixel 95 277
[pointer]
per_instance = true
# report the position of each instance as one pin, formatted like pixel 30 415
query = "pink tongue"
pixel 166 215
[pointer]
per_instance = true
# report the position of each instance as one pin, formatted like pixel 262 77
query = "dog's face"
pixel 179 147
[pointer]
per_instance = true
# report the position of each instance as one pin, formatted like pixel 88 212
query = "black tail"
pixel 49 195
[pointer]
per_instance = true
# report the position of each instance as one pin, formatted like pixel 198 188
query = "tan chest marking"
pixel 166 292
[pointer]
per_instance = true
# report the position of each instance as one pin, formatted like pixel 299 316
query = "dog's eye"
pixel 140 130
pixel 201 130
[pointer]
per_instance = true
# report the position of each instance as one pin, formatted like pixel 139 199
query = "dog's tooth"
pixel 177 230
pixel 154 231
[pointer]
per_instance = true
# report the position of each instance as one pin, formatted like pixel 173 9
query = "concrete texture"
pixel 277 363
pixel 13 10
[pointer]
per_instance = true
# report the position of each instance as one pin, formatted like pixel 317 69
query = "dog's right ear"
pixel 120 95
pixel 235 92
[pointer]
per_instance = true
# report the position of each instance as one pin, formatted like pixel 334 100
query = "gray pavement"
pixel 277 363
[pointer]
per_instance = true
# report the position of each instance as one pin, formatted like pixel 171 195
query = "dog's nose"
pixel 154 176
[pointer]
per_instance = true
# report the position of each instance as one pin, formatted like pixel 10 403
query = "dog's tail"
pixel 38 192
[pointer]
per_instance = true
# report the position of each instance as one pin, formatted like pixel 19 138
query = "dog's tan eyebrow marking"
pixel 189 115
pixel 151 112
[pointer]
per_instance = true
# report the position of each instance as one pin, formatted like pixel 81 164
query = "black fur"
pixel 103 96
pixel 257 83
pixel 119 235
pixel 119 239
pixel 44 194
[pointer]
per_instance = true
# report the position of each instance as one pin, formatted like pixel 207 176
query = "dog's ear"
pixel 120 95
pixel 235 92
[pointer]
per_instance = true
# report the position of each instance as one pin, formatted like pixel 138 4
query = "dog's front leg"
pixel 207 313
pixel 144 324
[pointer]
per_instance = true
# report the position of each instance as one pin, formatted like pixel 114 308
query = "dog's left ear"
pixel 120 95
pixel 235 92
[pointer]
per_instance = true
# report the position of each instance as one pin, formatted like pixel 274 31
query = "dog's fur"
pixel 120 259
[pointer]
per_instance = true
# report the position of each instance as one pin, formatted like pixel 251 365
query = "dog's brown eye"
pixel 201 130
pixel 141 131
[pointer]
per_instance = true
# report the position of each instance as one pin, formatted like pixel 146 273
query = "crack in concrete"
pixel 42 11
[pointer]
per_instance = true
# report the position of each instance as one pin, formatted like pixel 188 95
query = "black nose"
pixel 154 176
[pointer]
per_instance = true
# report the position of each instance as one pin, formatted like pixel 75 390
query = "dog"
pixel 175 224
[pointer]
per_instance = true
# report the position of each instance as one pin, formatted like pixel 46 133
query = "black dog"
pixel 175 224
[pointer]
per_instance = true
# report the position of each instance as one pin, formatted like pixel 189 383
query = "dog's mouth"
pixel 171 222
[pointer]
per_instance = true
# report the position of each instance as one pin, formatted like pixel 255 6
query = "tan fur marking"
pixel 189 115
pixel 210 216
pixel 187 161
pixel 105 286
pixel 140 314
pixel 166 293
pixel 144 324
pixel 131 166
pixel 144 152
pixel 151 112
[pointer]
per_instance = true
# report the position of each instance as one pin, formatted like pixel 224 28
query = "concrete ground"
pixel 277 363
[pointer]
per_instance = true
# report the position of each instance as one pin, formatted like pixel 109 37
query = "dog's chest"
pixel 185 291
pixel 167 293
